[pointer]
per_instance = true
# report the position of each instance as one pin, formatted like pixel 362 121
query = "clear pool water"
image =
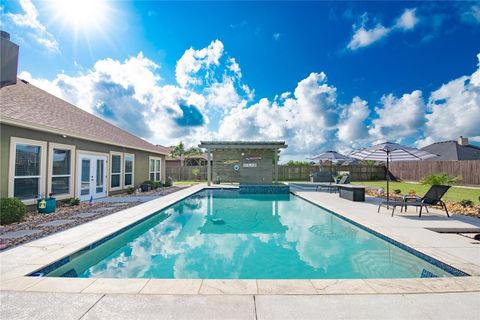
pixel 226 235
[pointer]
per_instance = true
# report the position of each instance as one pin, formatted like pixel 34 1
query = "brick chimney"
pixel 463 141
pixel 8 60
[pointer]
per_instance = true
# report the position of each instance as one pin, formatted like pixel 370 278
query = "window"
pixel 115 171
pixel 28 168
pixel 61 170
pixel 128 169
pixel 155 169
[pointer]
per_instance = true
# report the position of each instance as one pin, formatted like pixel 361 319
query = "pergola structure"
pixel 249 162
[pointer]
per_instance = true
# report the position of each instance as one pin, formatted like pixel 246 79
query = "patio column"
pixel 275 157
pixel 209 169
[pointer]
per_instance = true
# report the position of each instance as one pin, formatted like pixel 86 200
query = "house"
pixel 51 146
pixel 454 150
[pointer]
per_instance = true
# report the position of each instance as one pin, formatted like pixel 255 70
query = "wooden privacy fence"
pixel 357 172
pixel 185 173
pixel 468 170
pixel 289 173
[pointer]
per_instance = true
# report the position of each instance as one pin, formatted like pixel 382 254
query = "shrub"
pixel 11 210
pixel 293 163
pixel 130 190
pixel 397 191
pixel 466 203
pixel 439 178
pixel 69 202
pixel 64 202
pixel 195 172
pixel 169 182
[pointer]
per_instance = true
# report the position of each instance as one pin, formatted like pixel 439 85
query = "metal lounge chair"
pixel 433 197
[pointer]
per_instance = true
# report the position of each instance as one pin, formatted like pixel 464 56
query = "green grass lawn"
pixel 454 194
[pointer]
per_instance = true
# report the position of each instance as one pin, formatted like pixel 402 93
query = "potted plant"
pixel 47 205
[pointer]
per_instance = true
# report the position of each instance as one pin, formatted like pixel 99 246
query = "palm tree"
pixel 180 151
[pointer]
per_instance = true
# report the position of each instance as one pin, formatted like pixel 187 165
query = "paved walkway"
pixel 35 305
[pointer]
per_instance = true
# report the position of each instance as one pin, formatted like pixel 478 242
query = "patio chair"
pixel 344 180
pixel 433 197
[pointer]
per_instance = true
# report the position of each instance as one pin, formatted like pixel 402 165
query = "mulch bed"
pixel 33 220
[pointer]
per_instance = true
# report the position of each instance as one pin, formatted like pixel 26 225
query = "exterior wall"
pixel 141 162
pixel 251 171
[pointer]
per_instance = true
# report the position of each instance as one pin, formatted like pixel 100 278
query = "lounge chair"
pixel 334 186
pixel 433 197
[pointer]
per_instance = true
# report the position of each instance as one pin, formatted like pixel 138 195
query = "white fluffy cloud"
pixel 454 109
pixel 310 118
pixel 353 127
pixel 306 120
pixel 29 20
pixel 407 20
pixel 193 61
pixel 399 118
pixel 471 14
pixel 363 37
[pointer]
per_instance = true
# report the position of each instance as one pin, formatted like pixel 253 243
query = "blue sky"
pixel 320 75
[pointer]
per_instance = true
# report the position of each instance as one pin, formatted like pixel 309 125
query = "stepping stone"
pixel 55 223
pixel 19 234
pixel 85 214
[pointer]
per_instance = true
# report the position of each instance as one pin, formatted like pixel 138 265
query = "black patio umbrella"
pixel 389 151
pixel 329 156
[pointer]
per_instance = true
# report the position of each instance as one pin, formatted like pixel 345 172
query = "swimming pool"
pixel 222 234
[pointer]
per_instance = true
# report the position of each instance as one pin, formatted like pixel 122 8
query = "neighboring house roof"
pixel 23 104
pixel 452 150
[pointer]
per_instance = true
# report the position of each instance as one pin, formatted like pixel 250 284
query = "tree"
pixel 180 152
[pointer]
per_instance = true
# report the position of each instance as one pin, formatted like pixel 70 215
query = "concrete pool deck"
pixel 460 252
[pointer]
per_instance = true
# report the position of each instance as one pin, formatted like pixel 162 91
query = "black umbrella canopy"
pixel 390 151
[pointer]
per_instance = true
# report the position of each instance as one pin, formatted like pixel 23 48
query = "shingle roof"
pixel 26 104
pixel 451 150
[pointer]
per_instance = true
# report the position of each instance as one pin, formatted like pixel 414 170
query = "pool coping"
pixel 15 263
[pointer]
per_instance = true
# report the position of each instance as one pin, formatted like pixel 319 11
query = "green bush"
pixel 130 190
pixel 69 202
pixel 11 210
pixel 397 191
pixel 293 163
pixel 466 203
pixel 169 182
pixel 195 172
pixel 439 178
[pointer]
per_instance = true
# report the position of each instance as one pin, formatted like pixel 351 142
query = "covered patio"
pixel 252 162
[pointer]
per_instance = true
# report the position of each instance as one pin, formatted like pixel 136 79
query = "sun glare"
pixel 82 14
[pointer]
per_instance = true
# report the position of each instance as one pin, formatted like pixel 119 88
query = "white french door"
pixel 92 173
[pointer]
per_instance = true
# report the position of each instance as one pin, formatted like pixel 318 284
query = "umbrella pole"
pixel 388 181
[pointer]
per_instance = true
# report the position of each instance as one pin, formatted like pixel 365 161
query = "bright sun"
pixel 82 14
